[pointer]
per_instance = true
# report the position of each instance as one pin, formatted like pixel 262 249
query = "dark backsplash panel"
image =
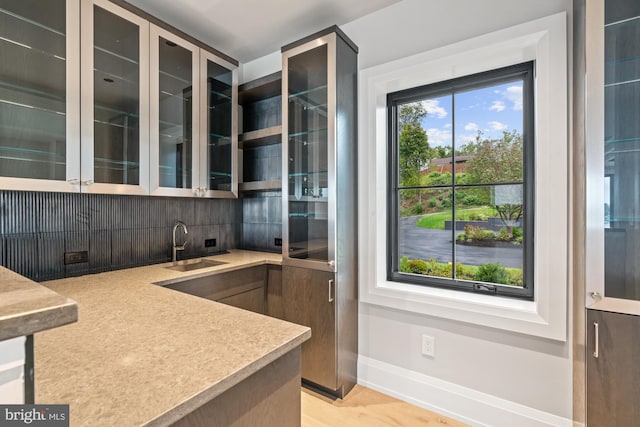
pixel 36 229
pixel 262 221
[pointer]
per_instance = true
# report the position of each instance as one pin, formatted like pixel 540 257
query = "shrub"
pixel 417 209
pixel 461 236
pixel 493 273
pixel 433 203
pixel 504 235
pixel 517 232
pixel 417 266
pixel 463 272
pixel 404 264
pixel 518 240
pixel 471 199
pixel 514 277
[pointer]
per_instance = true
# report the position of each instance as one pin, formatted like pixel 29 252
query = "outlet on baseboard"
pixel 277 241
pixel 76 257
pixel 209 243
pixel 428 345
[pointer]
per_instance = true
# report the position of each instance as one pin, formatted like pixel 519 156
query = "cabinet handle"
pixel 331 283
pixel 596 336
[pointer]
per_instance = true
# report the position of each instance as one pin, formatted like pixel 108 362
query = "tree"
pixel 413 143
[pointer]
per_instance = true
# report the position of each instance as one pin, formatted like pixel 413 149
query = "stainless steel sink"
pixel 193 264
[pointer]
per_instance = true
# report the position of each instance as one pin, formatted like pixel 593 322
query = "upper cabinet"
pixel 124 107
pixel 39 95
pixel 193 114
pixel 115 100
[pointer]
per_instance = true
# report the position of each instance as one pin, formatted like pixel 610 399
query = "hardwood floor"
pixel 367 408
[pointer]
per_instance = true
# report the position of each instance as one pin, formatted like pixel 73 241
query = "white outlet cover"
pixel 428 345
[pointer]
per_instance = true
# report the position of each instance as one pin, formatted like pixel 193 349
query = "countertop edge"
pixel 34 321
pixel 201 398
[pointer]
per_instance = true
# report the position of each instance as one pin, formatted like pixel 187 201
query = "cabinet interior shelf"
pixel 308 199
pixel 260 137
pixel 259 89
pixel 32 22
pixel 275 184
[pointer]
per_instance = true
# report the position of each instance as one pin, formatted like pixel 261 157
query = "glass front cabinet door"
pixel 193 115
pixel 319 146
pixel 115 100
pixel 39 95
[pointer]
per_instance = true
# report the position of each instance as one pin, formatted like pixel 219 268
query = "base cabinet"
pixel 613 372
pixel 310 302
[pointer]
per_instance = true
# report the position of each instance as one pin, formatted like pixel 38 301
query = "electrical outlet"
pixel 277 241
pixel 209 243
pixel 428 345
pixel 76 257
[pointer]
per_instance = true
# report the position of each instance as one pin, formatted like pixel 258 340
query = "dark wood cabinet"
pixel 310 301
pixel 613 369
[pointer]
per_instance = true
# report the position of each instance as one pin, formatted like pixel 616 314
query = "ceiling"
pixel 249 29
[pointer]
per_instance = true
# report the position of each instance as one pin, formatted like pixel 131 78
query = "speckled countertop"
pixel 141 354
pixel 27 307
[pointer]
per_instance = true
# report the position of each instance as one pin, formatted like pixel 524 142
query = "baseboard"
pixel 461 403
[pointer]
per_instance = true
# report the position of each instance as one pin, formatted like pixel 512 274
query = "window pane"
pixel 490 234
pixel 424 243
pixel 219 84
pixel 488 134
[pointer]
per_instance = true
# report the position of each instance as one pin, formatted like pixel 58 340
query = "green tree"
pixel 413 149
pixel 497 160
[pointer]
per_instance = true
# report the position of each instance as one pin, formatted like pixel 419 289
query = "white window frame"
pixel 545 42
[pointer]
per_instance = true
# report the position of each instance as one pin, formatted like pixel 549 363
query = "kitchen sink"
pixel 193 264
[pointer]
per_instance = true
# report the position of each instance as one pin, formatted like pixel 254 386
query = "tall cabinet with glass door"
pixel 612 134
pixel 39 95
pixel 319 142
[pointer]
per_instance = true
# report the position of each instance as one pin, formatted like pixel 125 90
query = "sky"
pixel 491 110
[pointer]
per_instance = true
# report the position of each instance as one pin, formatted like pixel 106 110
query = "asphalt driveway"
pixel 423 243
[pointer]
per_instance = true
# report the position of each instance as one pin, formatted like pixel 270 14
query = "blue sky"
pixel 491 110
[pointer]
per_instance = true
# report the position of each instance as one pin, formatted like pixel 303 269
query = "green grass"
pixel 436 220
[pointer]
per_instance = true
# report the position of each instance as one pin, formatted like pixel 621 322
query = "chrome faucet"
pixel 176 247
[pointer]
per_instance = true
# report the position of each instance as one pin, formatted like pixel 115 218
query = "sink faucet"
pixel 176 247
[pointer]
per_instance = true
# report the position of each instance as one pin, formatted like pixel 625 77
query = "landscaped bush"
pixel 433 203
pixel 418 266
pixel 417 209
pixel 517 232
pixel 404 264
pixel 504 235
pixel 493 273
pixel 515 277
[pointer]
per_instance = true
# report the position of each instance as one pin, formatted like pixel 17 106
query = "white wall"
pixel 533 373
pixel 12 371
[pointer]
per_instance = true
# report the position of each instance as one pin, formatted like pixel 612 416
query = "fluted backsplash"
pixel 36 229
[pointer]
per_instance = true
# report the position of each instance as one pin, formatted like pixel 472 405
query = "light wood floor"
pixel 367 408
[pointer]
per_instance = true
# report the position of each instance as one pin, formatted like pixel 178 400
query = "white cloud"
pixel 447 126
pixel 471 127
pixel 497 125
pixel 438 137
pixel 497 106
pixel 434 109
pixel 514 94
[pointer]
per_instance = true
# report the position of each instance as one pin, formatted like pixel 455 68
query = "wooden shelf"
pixel 257 138
pixel 262 88
pixel 275 184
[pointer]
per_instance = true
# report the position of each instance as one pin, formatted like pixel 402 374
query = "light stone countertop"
pixel 27 307
pixel 142 354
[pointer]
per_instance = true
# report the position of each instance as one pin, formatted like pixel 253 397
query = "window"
pixel 461 164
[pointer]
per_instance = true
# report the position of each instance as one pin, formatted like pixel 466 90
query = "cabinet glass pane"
pixel 307 139
pixel 622 151
pixel 175 110
pixel 117 99
pixel 33 89
pixel 219 84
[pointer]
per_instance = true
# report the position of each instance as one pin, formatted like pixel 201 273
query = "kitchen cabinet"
pixel 244 288
pixel 40 95
pixel 613 373
pixel 319 163
pixel 309 297
pixel 115 100
pixel 192 119
pixel 113 83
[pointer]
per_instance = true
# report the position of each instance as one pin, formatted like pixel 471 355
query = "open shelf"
pixel 275 184
pixel 257 138
pixel 259 89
